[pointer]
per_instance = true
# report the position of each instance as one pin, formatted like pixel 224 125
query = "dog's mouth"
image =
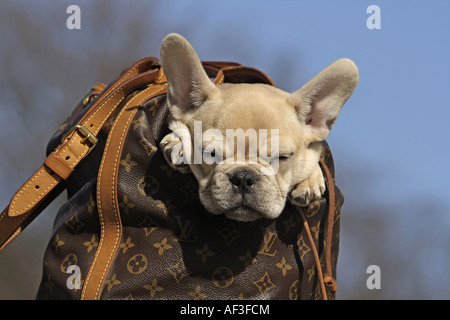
pixel 244 213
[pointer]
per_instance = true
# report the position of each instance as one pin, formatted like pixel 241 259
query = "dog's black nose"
pixel 243 180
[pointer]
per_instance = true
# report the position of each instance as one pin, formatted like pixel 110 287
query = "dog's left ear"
pixel 189 85
pixel 318 103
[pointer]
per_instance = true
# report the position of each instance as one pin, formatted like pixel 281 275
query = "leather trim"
pixel 33 191
pixel 107 204
pixel 58 166
pixel 9 225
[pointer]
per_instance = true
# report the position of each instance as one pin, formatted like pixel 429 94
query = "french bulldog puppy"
pixel 255 180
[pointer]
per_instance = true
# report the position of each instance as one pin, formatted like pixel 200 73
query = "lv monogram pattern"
pixel 171 248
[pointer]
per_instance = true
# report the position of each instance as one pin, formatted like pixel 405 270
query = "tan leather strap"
pixel 107 204
pixel 48 181
pixel 10 226
pixel 325 280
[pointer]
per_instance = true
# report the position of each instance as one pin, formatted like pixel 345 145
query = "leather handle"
pixel 217 65
pixel 231 72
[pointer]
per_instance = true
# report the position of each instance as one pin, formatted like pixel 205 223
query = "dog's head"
pixel 250 144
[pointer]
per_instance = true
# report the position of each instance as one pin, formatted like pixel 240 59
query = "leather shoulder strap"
pixel 48 181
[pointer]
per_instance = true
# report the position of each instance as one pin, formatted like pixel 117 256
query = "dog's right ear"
pixel 189 85
pixel 319 101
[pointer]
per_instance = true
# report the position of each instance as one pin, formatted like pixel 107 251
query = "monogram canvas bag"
pixel 134 228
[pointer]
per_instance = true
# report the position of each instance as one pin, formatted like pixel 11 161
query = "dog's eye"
pixel 281 157
pixel 284 157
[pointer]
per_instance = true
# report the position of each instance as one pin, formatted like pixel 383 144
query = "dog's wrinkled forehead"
pixel 245 106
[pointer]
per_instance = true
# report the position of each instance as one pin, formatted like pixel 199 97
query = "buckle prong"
pixel 85 132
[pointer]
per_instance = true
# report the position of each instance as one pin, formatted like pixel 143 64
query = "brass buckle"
pixel 85 132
